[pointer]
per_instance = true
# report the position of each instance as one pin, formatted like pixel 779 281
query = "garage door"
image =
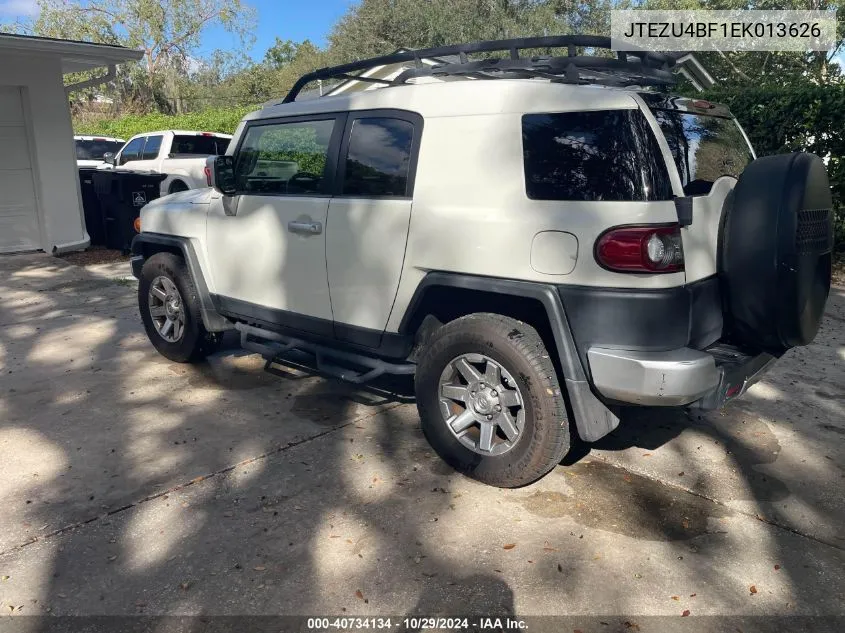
pixel 18 208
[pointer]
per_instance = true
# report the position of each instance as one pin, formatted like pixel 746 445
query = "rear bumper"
pixel 681 377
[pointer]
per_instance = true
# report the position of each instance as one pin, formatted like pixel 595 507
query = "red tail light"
pixel 641 249
pixel 207 171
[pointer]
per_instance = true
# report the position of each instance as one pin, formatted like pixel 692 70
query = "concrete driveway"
pixel 130 485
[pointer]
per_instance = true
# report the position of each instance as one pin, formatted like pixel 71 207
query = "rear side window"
pixel 151 148
pixel 198 145
pixel 588 156
pixel 378 157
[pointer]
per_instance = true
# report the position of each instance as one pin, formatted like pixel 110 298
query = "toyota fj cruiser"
pixel 540 241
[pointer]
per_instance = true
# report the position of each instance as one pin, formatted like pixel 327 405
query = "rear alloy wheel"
pixel 481 404
pixel 489 400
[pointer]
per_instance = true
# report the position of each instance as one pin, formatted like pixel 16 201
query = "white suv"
pixel 538 250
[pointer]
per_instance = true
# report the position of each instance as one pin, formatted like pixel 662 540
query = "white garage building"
pixel 40 201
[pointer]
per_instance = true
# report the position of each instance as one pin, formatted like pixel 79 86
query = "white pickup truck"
pixel 178 153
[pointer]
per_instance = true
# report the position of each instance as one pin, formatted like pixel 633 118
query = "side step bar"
pixel 271 345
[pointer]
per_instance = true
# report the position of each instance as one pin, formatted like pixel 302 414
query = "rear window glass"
pixel 95 150
pixel 198 145
pixel 704 148
pixel 588 156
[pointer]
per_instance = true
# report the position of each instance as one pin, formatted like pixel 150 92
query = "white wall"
pixel 54 156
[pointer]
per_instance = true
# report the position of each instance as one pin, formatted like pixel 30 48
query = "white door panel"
pixel 256 257
pixel 18 203
pixel 365 249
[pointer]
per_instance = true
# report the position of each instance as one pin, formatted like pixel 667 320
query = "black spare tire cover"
pixel 776 252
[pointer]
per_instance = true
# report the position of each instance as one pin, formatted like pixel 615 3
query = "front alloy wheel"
pixel 481 404
pixel 166 309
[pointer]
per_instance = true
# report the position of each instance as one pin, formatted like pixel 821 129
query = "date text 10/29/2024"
pixel 420 623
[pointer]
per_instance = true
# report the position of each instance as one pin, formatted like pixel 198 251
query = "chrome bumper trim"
pixel 671 378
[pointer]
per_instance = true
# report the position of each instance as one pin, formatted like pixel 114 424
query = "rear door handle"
pixel 309 228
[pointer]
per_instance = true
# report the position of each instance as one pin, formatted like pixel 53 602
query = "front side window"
pixel 133 150
pixel 704 148
pixel 151 148
pixel 378 158
pixel 284 158
pixel 589 156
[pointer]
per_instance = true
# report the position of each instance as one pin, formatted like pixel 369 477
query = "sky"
pixel 295 20
pixel 288 19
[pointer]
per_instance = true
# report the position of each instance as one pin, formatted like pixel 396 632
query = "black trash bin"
pixel 121 195
pixel 95 223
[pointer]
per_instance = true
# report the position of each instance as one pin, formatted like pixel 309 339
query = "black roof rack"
pixel 628 68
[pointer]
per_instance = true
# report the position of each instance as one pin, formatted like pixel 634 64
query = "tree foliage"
pixel 797 117
pixel 168 31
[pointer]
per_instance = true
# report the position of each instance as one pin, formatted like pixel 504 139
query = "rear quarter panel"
pixel 471 214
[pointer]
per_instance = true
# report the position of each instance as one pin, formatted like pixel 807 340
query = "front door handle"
pixel 309 228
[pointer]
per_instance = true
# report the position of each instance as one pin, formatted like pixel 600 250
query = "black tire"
pixel 776 252
pixel 195 342
pixel 519 350
pixel 176 186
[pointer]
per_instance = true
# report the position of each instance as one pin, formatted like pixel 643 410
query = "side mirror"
pixel 109 158
pixel 220 174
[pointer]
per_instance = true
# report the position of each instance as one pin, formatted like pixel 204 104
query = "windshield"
pixel 96 149
pixel 704 148
pixel 199 145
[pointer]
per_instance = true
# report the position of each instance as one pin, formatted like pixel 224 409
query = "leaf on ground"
pixel 685 614
pixel 259 568
pixel 509 546
pixel 185 586
pixel 685 523
pixel 111 558
pixel 631 625
pixel 4 578
pixel 61 595
pixel 334 536
pixel 551 549
pixel 359 594
pixel 627 478
pixel 753 589
pixel 560 568
pixel 777 567
pixel 676 598
pixel 681 474
pixel 227 514
pixel 693 595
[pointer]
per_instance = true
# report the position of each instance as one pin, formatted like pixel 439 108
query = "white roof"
pixel 75 56
pixel 185 133
pixel 111 139
pixel 464 97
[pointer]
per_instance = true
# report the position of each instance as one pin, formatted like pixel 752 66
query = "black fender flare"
pixel 593 419
pixel 146 244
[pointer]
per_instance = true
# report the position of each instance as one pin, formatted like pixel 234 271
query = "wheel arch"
pixel 447 296
pixel 145 245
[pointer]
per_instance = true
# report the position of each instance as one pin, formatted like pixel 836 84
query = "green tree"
pixel 168 31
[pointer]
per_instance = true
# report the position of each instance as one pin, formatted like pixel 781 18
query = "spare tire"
pixel 776 252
